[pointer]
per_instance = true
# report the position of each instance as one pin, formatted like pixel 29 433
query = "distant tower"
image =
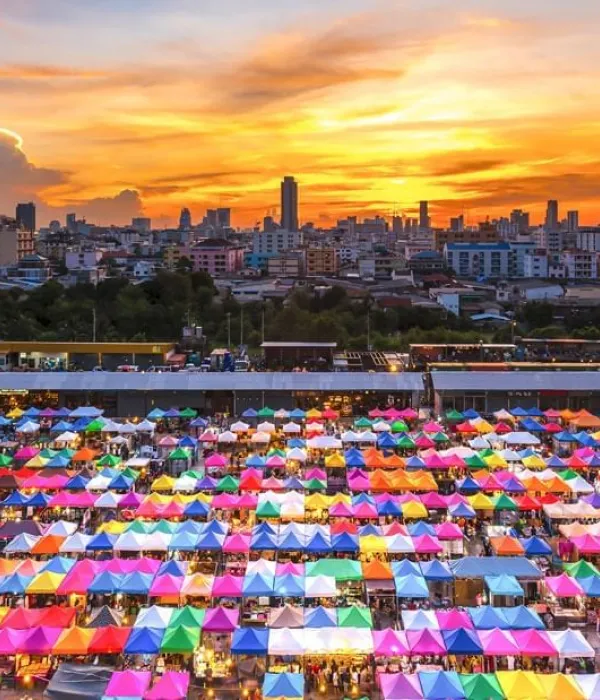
pixel 551 223
pixel 573 221
pixel 71 223
pixel 25 216
pixel 289 203
pixel 423 215
pixel 185 220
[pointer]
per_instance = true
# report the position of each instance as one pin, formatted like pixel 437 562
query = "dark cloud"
pixel 119 209
pixel 462 167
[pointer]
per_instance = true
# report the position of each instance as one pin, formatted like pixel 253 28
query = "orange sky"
pixel 130 106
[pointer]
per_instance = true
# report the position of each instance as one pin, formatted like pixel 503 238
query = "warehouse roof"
pixel 516 381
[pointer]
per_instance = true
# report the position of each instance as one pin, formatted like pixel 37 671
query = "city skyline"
pixel 478 108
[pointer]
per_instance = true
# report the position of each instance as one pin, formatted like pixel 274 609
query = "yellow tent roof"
pixel 483 427
pixel 335 460
pixel 184 499
pixel 15 413
pixel 158 499
pixel 36 462
pixel 481 502
pixel 204 497
pixel 46 582
pixel 163 483
pixel 534 462
pixel 113 527
pixel 521 685
pixel 495 461
pixel 313 413
pixel 372 544
pixel 414 509
pixel 317 501
pixel 341 498
pixel 558 686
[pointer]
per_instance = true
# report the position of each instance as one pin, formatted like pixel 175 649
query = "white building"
pixel 265 242
pixel 78 259
pixel 580 264
pixel 588 238
pixel 536 265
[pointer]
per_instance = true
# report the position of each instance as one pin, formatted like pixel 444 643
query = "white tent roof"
pixel 292 428
pixel 266 427
pixel 185 483
pixel 297 454
pixel 28 427
pixel 240 427
pixel 320 587
pixel 260 436
pixel 397 544
pixel 420 620
pixel 519 438
pixel 227 436
pixel 324 442
pixel 146 426
pixel 381 427
pixel 22 543
pixel 98 483
pixel 75 544
pixel 286 642
pixel 61 528
pixel 571 643
pixel 67 436
pixel 108 499
pixel 156 616
pixel 129 542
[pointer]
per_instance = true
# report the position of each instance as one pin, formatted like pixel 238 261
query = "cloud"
pixel 37 71
pixel 118 210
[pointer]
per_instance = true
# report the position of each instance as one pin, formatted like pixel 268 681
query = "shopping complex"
pixel 398 535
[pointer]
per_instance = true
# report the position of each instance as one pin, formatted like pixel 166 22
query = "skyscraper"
pixel 224 217
pixel 572 221
pixel 185 220
pixel 289 203
pixel 551 223
pixel 71 223
pixel 25 216
pixel 423 215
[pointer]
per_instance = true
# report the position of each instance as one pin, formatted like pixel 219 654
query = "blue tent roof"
pixel 188 441
pixel 207 483
pixel 81 424
pixel 283 685
pixel 250 413
pixel 61 427
pixel 555 462
pixel 196 509
pixel 320 617
pixel 38 500
pixel 478 567
pixel 198 423
pixel 15 583
pixel 532 426
pixel 184 541
pixel 536 547
pixel 58 462
pixel 385 440
pixel 32 412
pixel 210 541
pixel 470 414
pixel 297 413
pixel 487 617
pixel 421 528
pixel 461 510
pixel 504 585
pixel 59 565
pixel 345 542
pixel 415 463
pixel 441 685
pixel 290 541
pixel 62 412
pixel 249 640
pixel 591 586
pixel 257 585
pixel 389 507
pixel 535 411
pixel 518 412
pixel 144 640
pixel 405 567
pixel 136 583
pixel 513 485
pixel 363 498
pixel 106 582
pixel 436 570
pixel 263 542
pixel 189 526
pixel 462 642
pixel 16 498
pixel 411 586
pixel 594 461
pixel 171 413
pixel 101 541
pixel 155 414
pixel 319 543
pixel 256 461
pixel 565 436
pixel 4 421
pixel 296 442
pixel 370 529
pixel 468 484
pixel 264 528
pixel 121 483
pixel 173 568
pixel 293 483
pixel 289 586
pixel 522 618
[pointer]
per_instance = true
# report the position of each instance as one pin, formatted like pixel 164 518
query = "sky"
pixel 119 108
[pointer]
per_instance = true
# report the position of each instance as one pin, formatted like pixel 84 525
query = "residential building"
pixel 78 259
pixel 216 256
pixel 580 264
pixel 185 219
pixel 519 220
pixel 15 242
pixel 572 221
pixel 479 259
pixel 519 250
pixel 25 216
pixel 460 235
pixel 289 203
pixel 588 238
pixel 321 261
pixel 32 268
pixel 273 242
pixel 289 264
pixel 535 264
pixel 380 266
pixel 144 269
pixel 427 262
pixel 554 240
pixel 172 255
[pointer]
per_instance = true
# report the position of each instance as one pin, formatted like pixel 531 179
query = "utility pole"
pixel 228 330
pixel 263 323
pixel 94 324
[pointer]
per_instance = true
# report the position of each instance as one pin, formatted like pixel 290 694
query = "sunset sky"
pixel 126 107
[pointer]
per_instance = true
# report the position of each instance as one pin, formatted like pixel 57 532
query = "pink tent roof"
pixel 221 619
pixel 276 461
pixel 11 640
pixel 426 544
pixel 501 428
pixel 130 500
pixel 364 510
pixel 400 686
pixel 80 577
pixel 247 500
pixel 228 586
pixel 49 483
pixel 563 586
pixel 215 460
pixel 83 499
pixel 424 642
pixel 376 413
pixel 553 428
pixel 359 483
pixel 272 484
pixel 128 684
pixel 535 643
pixel 423 441
pixel 391 413
pixel 587 544
pixel 315 473
pixel 455 499
pixel 390 642
pixel 173 685
pixel 449 531
pixel 27 452
pixel 289 567
pixel 224 500
pixel 552 413
pixel 169 441
pixel 490 483
pixel 455 461
pixel 340 510
pixel 497 642
pixel 454 619
pixel 166 585
pixel 432 427
pixel 408 414
pixel 237 543
pixel 39 641
pixel 434 461
pixel 395 528
pixel 207 436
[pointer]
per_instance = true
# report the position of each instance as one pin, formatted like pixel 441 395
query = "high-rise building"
pixel 185 220
pixel 572 221
pixel 25 216
pixel 519 220
pixel 551 223
pixel 423 215
pixel 457 223
pixel 224 217
pixel 16 241
pixel 289 204
pixel 72 223
pixel 269 224
pixel 397 226
pixel 142 224
pixel 211 217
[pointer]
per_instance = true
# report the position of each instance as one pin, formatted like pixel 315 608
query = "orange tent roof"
pixel 74 641
pixel 557 485
pixel 507 546
pixel 380 481
pixel 423 481
pixel 373 458
pixel 376 570
pixel 535 485
pixel 585 419
pixel 394 461
pixel 85 454
pixel 567 414
pixel 400 480
pixel 7 566
pixel 48 544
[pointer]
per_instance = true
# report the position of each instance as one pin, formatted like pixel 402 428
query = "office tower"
pixel 26 216
pixel 572 221
pixel 397 226
pixel 551 223
pixel 71 223
pixel 211 217
pixel 224 217
pixel 185 219
pixel 423 215
pixel 519 220
pixel 457 224
pixel 289 203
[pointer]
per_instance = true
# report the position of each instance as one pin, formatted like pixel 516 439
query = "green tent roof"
pixel 179 453
pixel 355 617
pixel 475 462
pixel 188 413
pixel 109 461
pixel 164 526
pixel 340 569
pixel 503 502
pixel 131 473
pixel 481 686
pixel 47 453
pixel 193 474
pixel 363 423
pixel 268 509
pixel 581 569
pixel 5 460
pixel 228 483
pixel 95 426
pixel 141 527
pixel 314 485
pixel 488 452
pixel 188 617
pixel 180 640
pixel 266 412
pixel 399 426
pixel 406 442
pixel 440 437
pixel 66 452
pixel 276 452
pixel 454 415
pixel 568 474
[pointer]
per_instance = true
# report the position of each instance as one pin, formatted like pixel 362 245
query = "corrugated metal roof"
pixel 217 381
pixel 516 381
pixel 478 567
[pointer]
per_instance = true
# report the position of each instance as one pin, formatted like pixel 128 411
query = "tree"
pixel 184 264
